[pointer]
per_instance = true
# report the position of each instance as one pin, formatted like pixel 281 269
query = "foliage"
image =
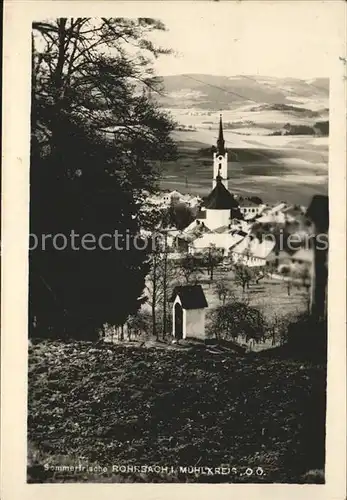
pixel 322 127
pixel 96 135
pixel 190 268
pixel 155 219
pixel 140 323
pixel 277 325
pixel 180 215
pixel 238 319
pixel 212 257
pixel 243 275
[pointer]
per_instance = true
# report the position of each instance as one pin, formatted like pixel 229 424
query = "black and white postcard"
pixel 174 249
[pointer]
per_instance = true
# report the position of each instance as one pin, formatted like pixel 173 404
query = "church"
pixel 220 206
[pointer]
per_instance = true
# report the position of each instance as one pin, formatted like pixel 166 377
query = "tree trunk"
pixel 164 287
pixel 57 139
pixel 103 332
pixel 154 299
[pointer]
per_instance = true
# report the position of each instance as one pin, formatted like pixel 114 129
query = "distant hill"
pixel 295 110
pixel 210 92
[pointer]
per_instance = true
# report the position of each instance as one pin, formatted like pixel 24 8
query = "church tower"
pixel 220 160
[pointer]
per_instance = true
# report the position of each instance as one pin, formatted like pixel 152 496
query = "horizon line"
pixel 304 78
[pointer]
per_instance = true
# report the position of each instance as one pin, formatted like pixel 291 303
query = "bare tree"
pixel 242 275
pixel 160 282
pixel 305 278
pixel 189 269
pixel 223 291
pixel 212 257
pixel 287 278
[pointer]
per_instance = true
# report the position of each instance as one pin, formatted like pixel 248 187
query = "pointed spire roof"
pixel 220 140
pixel 220 198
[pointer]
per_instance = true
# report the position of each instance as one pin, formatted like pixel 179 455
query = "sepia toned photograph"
pixel 178 250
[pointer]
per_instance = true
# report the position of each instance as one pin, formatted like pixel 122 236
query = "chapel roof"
pixel 191 296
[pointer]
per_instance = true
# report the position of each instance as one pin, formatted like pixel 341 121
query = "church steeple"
pixel 220 140
pixel 220 159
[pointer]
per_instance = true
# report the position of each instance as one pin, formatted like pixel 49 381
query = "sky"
pixel 282 39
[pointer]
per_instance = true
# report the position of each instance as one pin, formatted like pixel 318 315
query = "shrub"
pixel 277 326
pixel 238 318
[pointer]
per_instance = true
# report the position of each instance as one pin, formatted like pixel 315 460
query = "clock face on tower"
pixel 220 158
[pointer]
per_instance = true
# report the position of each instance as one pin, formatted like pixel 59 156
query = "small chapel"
pixel 220 206
pixel 188 312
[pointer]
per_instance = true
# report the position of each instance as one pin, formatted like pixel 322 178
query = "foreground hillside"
pixel 151 406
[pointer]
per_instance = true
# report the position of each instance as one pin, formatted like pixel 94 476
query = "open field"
pixel 291 168
pixel 268 296
pixel 117 405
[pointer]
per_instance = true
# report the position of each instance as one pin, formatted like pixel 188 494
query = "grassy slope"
pixel 268 296
pixel 131 405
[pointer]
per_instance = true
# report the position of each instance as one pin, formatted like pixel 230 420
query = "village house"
pixel 221 241
pixel 191 201
pixel 189 234
pixel 172 197
pixel 251 251
pixel 250 208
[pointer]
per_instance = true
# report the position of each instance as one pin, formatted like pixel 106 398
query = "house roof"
pixel 248 202
pixel 220 240
pixel 222 229
pixel 271 218
pixel 195 230
pixel 197 226
pixel 175 194
pixel 220 198
pixel 191 296
pixel 277 208
pixel 254 247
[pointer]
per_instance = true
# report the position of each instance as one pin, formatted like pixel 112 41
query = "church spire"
pixel 220 140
